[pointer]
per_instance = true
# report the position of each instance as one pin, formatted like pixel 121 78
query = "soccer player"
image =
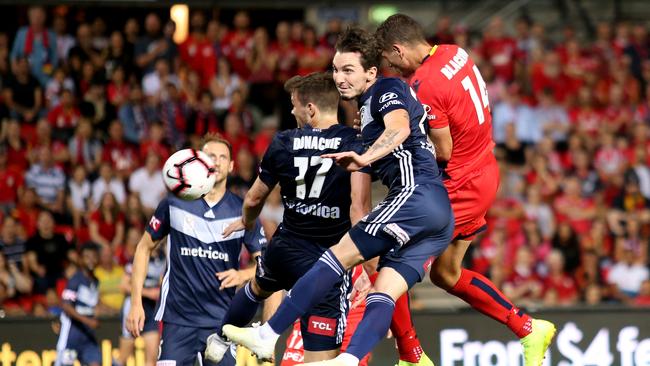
pixel 320 201
pixel 77 340
pixel 450 86
pixel 410 225
pixel 150 294
pixel 202 265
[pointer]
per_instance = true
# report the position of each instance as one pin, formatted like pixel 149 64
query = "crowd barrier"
pixel 585 336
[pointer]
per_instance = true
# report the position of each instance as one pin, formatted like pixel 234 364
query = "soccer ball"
pixel 189 174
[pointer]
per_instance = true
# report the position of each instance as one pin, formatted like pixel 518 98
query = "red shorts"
pixel 294 353
pixel 471 199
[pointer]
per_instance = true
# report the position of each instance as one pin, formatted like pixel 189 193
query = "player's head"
pixel 398 36
pixel 89 256
pixel 312 96
pixel 356 62
pixel 220 151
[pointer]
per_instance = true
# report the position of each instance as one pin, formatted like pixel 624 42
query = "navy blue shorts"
pixel 76 343
pixel 184 346
pixel 410 225
pixel 287 258
pixel 150 324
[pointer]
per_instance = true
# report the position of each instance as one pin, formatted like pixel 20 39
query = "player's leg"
pixel 126 346
pixel 309 290
pixel 401 326
pixel 354 319
pixel 151 343
pixel 323 326
pixel 89 353
pixel 471 202
pixel 66 354
pixel 178 345
pixel 199 336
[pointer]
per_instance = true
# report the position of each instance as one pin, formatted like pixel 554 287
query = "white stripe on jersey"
pixel 206 231
pixel 408 180
pixel 164 290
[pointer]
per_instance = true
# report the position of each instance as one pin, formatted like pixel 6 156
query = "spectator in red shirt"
pixel 443 34
pixel 26 212
pixel 197 51
pixel 155 141
pixel 117 90
pixel 311 56
pixel 121 155
pixel 173 112
pixel 202 118
pixel 500 50
pixel 559 287
pixel 238 43
pixel 286 53
pixel 65 116
pixel 262 63
pixel 523 285
pixel 84 150
pixel 16 145
pixel 572 207
pixel 233 132
pixel 11 183
pixel 107 223
pixel 548 74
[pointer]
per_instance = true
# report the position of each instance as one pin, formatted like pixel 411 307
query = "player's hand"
pixel 349 160
pixel 92 323
pixel 235 226
pixel 135 320
pixel 356 123
pixel 362 287
pixel 230 278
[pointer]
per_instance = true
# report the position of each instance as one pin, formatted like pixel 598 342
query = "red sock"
pixel 408 344
pixel 482 295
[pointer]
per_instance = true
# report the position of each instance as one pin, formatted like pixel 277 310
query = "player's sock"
pixel 243 307
pixel 408 344
pixel 482 295
pixel 373 326
pixel 308 291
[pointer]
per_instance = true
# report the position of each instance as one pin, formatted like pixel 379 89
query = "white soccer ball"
pixel 189 174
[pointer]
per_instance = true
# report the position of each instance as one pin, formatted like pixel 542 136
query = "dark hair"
pixel 355 39
pixel 399 28
pixel 218 138
pixel 317 88
pixel 89 245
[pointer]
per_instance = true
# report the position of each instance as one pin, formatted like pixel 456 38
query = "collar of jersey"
pixel 431 52
pixel 368 93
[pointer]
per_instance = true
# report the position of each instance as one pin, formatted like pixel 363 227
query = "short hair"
pixel 217 138
pixel 317 88
pixel 355 39
pixel 399 28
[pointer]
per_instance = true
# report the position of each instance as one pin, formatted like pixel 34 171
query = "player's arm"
pixel 145 246
pixel 235 278
pixel 441 138
pixel 396 132
pixel 360 184
pixel 253 204
pixel 397 129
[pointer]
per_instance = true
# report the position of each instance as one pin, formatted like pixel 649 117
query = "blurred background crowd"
pixel 90 110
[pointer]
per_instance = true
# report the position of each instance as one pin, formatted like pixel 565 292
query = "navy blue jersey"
pixel 411 163
pixel 315 191
pixel 82 293
pixel 196 251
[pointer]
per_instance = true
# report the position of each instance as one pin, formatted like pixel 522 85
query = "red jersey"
pixel 454 94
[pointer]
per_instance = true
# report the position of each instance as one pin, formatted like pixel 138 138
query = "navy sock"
pixel 373 326
pixel 310 289
pixel 243 308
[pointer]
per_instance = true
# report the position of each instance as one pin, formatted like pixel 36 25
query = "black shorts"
pixel 287 258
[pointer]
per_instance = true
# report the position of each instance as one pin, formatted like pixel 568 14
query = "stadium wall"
pixel 601 337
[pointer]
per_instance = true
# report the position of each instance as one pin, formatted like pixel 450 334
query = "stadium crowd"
pixel 89 117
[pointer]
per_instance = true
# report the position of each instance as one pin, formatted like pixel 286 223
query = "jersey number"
pixel 303 163
pixel 469 86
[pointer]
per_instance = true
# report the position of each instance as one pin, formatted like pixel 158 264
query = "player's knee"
pixel 443 277
pixel 259 291
pixel 347 253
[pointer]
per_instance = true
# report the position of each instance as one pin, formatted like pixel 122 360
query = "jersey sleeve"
pixel 69 294
pixel 391 95
pixel 269 165
pixel 159 223
pixel 255 239
pixel 433 105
